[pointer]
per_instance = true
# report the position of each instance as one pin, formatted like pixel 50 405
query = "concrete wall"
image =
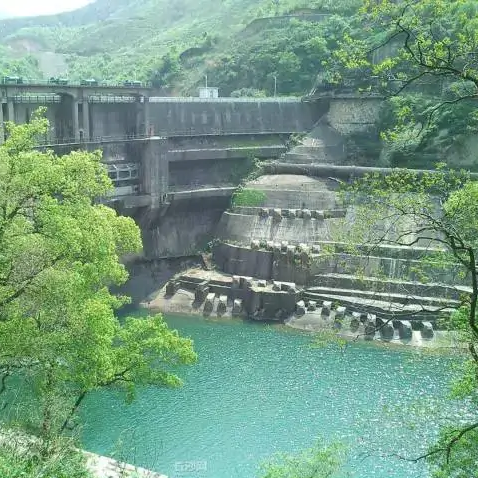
pixel 183 117
pixel 185 228
pixel 203 173
pixel 242 229
pixel 353 115
pixel 113 120
pixel 147 276
pixel 261 264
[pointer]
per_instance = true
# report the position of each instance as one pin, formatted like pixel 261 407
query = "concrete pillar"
pixel 11 110
pixel 155 171
pixel 86 120
pixel 2 129
pixel 147 131
pixel 75 119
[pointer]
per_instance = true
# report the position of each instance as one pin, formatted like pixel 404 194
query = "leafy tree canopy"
pixel 60 252
pixel 438 212
pixel 426 52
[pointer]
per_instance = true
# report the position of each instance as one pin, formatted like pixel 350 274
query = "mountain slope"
pixel 175 42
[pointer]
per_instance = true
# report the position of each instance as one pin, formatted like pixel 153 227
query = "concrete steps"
pixel 385 309
pixel 380 297
pixel 412 289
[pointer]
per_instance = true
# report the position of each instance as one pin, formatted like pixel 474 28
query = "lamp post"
pixel 275 85
pixel 205 77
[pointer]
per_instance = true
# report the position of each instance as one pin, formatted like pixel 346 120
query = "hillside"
pixel 176 43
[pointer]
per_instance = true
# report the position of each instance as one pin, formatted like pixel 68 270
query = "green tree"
pixel 168 70
pixel 437 211
pixel 424 51
pixel 320 461
pixel 60 252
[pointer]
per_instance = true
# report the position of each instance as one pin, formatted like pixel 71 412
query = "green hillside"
pixel 239 44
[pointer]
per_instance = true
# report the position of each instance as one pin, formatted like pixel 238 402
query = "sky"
pixel 39 7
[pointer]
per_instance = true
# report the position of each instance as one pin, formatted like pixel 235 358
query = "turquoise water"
pixel 258 390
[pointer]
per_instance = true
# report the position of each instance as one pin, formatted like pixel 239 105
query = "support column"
pixel 86 120
pixel 11 110
pixel 2 128
pixel 76 120
pixel 155 171
pixel 147 131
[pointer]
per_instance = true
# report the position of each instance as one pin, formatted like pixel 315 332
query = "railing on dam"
pixel 245 99
pixel 92 140
pixel 188 133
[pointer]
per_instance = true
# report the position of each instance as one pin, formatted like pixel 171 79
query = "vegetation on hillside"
pixel 424 53
pixel 12 65
pixel 133 40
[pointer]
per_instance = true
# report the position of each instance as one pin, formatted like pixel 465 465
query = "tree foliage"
pixel 320 461
pixel 12 65
pixel 426 52
pixel 60 252
pixel 438 212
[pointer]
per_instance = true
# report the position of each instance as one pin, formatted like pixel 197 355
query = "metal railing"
pixel 224 99
pixel 20 82
pixel 189 133
pixel 93 140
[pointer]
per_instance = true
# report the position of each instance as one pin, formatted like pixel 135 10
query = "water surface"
pixel 258 390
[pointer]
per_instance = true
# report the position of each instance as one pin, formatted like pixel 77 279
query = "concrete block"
pixel 236 282
pixel 405 331
pixel 277 247
pixel 340 312
pixel 246 282
pixel 298 213
pixel 277 215
pixel 283 246
pixel 290 252
pixel 427 330
pixel 209 304
pixel 255 244
pixel 300 308
pixel 319 215
pixel 302 247
pixel 287 286
pixel 172 287
pixel 201 293
pixel 264 212
pixel 312 305
pixel 355 321
pixel 306 214
pixel 315 249
pixel 270 245
pixel 387 331
pixel 305 257
pixel 261 283
pixel 292 213
pixel 326 308
pixel 222 305
pixel 370 327
pixel 285 212
pixel 237 307
pixel 276 286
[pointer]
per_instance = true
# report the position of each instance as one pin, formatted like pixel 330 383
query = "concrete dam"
pixel 175 163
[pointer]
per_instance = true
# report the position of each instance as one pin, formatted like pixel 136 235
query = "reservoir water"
pixel 257 390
